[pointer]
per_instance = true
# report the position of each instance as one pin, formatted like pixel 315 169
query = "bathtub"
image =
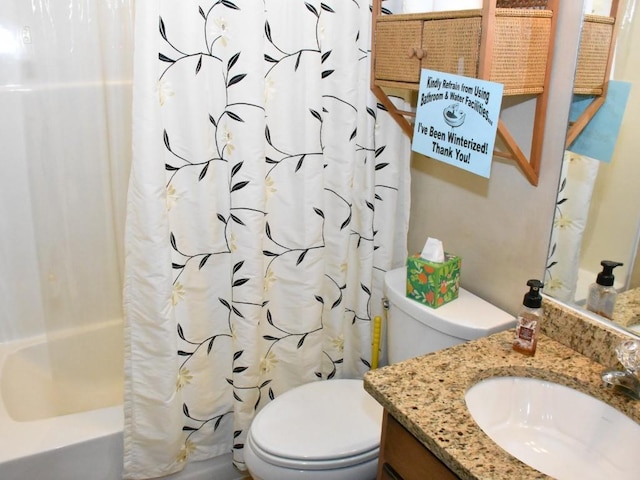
pixel 71 428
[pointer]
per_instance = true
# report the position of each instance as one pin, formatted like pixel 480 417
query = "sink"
pixel 555 429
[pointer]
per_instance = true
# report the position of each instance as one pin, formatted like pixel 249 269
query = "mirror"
pixel 597 214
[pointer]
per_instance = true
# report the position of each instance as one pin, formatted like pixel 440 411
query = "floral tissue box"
pixel 433 284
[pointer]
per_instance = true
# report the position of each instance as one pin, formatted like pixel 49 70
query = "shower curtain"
pixel 268 196
pixel 577 180
pixel 65 98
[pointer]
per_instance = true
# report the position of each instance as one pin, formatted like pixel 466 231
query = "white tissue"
pixel 449 5
pixel 417 6
pixel 433 251
pixel 598 7
pixel 588 6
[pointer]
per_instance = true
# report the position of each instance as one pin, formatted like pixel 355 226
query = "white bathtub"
pixel 71 428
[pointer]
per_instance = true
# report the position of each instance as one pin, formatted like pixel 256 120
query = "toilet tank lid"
pixel 321 420
pixel 468 317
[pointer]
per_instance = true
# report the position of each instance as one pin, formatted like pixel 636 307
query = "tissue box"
pixel 433 284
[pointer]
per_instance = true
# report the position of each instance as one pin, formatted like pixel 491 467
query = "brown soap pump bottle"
pixel 528 321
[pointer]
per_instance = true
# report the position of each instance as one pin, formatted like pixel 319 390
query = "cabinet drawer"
pixel 395 44
pixel 403 48
pixel 407 457
pixel 452 45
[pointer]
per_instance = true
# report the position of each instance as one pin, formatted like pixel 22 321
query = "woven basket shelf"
pixel 451 42
pixel 507 41
pixel 593 58
pixel 597 45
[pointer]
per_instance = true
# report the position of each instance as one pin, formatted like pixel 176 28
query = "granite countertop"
pixel 426 395
pixel 627 309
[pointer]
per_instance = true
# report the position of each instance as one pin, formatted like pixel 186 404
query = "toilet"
pixel 318 431
pixel 414 329
pixel 330 430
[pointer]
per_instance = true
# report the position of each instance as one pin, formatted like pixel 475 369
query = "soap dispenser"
pixel 528 321
pixel 602 296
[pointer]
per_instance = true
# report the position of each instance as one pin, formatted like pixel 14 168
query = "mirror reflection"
pixel 597 214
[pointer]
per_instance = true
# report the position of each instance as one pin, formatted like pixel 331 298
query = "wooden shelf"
pixel 509 46
pixel 597 46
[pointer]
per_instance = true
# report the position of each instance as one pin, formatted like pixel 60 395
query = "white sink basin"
pixel 557 430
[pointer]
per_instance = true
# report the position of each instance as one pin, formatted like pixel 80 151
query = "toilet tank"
pixel 414 329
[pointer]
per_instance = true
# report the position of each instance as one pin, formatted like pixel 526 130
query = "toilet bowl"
pixel 330 430
pixel 318 431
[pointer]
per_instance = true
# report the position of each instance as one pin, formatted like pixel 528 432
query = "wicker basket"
pixel 452 45
pixel 533 4
pixel 521 47
pixel 593 56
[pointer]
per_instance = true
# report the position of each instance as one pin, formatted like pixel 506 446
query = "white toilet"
pixel 331 430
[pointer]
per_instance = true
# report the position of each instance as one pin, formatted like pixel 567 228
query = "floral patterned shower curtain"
pixel 577 180
pixel 268 195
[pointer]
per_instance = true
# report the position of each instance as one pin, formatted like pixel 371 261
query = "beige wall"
pixel 500 226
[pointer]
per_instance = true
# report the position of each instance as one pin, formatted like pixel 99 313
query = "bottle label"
pixel 525 333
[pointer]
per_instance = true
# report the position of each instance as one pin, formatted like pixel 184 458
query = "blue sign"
pixel 598 139
pixel 457 119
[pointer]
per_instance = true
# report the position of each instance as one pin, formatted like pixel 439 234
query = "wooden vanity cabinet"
pixel 403 457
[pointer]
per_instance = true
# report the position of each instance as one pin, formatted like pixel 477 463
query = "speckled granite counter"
pixel 426 395
pixel 627 309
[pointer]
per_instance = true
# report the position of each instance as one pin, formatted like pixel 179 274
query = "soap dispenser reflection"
pixel 602 296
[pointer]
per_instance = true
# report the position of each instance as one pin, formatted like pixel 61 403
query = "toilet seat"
pixel 321 465
pixel 319 426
